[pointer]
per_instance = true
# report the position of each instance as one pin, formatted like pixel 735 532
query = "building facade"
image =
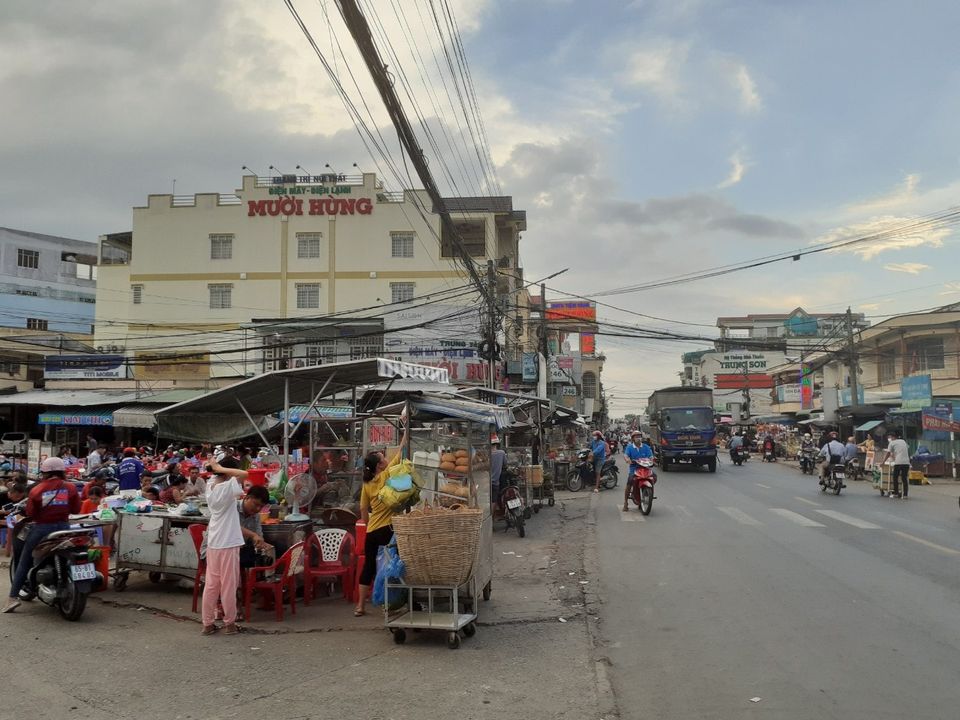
pixel 788 332
pixel 298 270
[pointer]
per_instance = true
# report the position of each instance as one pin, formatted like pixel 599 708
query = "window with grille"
pixel 366 347
pixel 308 295
pixel 589 385
pixel 221 247
pixel 321 353
pixel 10 367
pixel 220 295
pixel 308 245
pixel 28 258
pixel 137 291
pixel 888 367
pixel 401 244
pixel 276 356
pixel 35 324
pixel 401 292
pixel 926 354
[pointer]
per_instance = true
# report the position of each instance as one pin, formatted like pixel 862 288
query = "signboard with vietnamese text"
pixel 806 387
pixel 560 369
pixel 788 393
pixel 572 310
pixel 846 395
pixel 170 366
pixel 916 392
pixel 937 422
pixel 85 367
pixel 531 367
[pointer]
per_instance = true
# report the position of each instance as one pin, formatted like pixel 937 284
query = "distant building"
pixel 784 331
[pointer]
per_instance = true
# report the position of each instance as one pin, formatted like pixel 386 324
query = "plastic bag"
pixel 399 476
pixel 389 565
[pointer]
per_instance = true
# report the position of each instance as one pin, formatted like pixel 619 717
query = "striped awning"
pixel 136 416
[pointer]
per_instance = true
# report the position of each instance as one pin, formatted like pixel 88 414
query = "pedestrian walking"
pixel 898 450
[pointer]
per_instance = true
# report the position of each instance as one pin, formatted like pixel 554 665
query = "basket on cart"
pixel 438 546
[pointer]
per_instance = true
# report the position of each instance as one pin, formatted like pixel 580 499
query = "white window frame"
pixel 28 259
pixel 401 244
pixel 37 324
pixel 305 240
pixel 225 290
pixel 321 353
pixel 137 293
pixel 221 246
pixel 362 348
pixel 399 291
pixel 302 290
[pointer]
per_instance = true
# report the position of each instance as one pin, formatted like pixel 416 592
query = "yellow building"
pixel 296 270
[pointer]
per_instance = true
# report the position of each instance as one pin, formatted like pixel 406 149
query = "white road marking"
pixel 941 548
pixel 762 485
pixel 682 509
pixel 738 515
pixel 631 516
pixel 796 517
pixel 849 520
pixel 804 500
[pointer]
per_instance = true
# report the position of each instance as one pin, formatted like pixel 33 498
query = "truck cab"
pixel 682 427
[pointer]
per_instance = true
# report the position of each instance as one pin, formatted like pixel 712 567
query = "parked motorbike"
pixel 511 502
pixel 582 474
pixel 63 574
pixel 644 478
pixel 807 461
pixel 834 481
pixel 739 455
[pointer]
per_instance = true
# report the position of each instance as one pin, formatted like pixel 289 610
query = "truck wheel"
pixel 712 465
pixel 665 464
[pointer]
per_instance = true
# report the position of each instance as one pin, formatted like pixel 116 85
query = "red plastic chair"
pixel 329 555
pixel 272 580
pixel 197 531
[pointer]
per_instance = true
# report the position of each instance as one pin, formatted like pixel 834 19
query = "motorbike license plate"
pixel 86 571
pixel 513 504
pixel 839 475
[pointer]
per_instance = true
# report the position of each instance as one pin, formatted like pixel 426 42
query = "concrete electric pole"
pixel 854 364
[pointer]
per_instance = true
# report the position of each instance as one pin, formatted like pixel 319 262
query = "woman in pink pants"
pixel 224 540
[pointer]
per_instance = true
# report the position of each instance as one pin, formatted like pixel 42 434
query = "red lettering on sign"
pixel 364 206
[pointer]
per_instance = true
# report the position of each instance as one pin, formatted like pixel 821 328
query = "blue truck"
pixel 682 427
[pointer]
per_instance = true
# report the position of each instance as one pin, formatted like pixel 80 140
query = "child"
pixel 224 540
pixel 92 503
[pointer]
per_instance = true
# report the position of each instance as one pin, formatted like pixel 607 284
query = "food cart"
pixel 157 543
pixel 446 541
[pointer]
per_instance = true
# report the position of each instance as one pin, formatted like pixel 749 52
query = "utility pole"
pixel 542 345
pixel 854 363
pixel 491 325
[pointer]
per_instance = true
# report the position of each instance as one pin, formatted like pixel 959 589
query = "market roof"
pixel 223 414
pixel 868 426
pixel 81 398
pixel 427 407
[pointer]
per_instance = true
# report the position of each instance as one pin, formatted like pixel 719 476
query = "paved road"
pixel 751 584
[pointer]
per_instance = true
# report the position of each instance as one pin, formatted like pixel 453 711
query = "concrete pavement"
pixel 750 584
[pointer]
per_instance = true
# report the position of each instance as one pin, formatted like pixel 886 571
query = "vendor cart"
pixel 448 608
pixel 157 543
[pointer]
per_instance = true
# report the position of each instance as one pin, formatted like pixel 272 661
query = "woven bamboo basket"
pixel 438 546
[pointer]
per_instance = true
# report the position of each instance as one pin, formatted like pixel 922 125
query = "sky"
pixel 644 138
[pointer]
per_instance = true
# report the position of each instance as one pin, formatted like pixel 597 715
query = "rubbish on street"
pixel 563 620
pixel 755 699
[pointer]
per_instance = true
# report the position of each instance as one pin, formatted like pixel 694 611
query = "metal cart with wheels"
pixel 157 543
pixel 446 608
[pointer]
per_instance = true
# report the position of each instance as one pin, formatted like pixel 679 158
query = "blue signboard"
pixel 88 418
pixel 916 392
pixel 846 394
pixel 943 410
pixel 531 366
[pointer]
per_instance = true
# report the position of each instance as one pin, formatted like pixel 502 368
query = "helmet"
pixel 806 436
pixel 52 465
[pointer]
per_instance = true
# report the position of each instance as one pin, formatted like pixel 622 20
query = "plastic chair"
pixel 197 531
pixel 329 555
pixel 280 576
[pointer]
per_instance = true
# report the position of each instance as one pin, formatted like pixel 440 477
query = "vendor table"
pixel 283 535
pixel 155 542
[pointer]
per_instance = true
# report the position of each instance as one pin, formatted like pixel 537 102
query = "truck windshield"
pixel 688 419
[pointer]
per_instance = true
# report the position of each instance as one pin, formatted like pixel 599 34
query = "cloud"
pixel 886 233
pixel 738 168
pixel 904 194
pixel 909 267
pixel 951 288
pixel 750 100
pixel 658 68
pixel 869 306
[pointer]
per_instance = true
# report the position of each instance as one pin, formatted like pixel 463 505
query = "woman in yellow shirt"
pixel 376 515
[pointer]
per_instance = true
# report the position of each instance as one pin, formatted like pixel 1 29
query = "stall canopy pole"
pixel 286 409
pixel 286 424
pixel 255 426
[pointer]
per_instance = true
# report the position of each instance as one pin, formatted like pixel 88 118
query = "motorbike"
pixel 511 502
pixel 852 469
pixel 644 478
pixel 807 461
pixel 834 481
pixel 582 474
pixel 63 573
pixel 739 455
pixel 769 455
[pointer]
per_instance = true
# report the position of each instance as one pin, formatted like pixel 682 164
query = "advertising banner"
pixel 846 395
pixel 560 369
pixel 530 367
pixel 448 339
pixel 938 422
pixel 588 344
pixel 916 392
pixel 806 388
pixel 170 366
pixel 85 367
pixel 572 310
pixel 788 393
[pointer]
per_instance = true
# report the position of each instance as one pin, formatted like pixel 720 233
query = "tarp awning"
pixel 298 412
pixel 427 407
pixel 135 416
pixel 77 416
pixel 72 398
pixel 868 426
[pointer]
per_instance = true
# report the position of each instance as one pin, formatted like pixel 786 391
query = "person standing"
pixel 498 458
pixel 224 540
pixel 599 450
pixel 377 516
pixel 898 450
pixel 49 505
pixel 92 443
pixel 130 470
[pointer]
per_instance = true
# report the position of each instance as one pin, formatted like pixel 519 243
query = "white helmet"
pixel 806 436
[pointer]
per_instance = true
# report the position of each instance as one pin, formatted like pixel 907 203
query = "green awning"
pixel 868 426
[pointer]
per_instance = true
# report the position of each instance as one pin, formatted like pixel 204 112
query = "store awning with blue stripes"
pixel 319 411
pixel 77 416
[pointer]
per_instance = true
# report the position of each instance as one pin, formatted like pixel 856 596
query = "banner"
pixel 806 388
pixel 85 367
pixel 938 422
pixel 846 395
pixel 788 393
pixel 916 392
pixel 588 344
pixel 530 367
pixel 171 366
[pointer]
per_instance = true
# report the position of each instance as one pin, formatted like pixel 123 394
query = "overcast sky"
pixel 644 138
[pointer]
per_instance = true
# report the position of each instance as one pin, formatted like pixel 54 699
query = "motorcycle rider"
pixel 769 447
pixel 598 450
pixel 807 449
pixel 49 504
pixel 633 453
pixel 736 442
pixel 832 454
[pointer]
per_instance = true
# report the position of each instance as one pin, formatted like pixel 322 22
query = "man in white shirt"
pixel 831 454
pixel 898 450
pixel 94 460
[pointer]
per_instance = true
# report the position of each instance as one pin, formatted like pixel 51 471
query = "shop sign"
pixel 288 205
pixel 171 366
pixel 846 395
pixel 938 422
pixel 531 366
pixel 560 369
pixel 588 343
pixel 103 419
pixel 568 391
pixel 756 381
pixel 572 311
pixel 743 362
pixel 806 387
pixel 85 367
pixel 916 392
pixel 788 393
